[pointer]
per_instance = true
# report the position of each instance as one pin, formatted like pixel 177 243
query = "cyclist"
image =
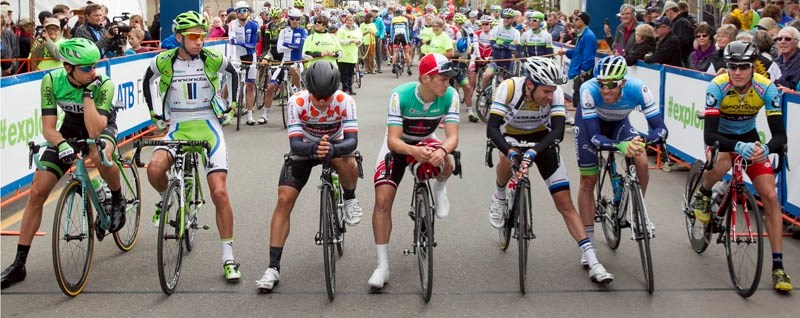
pixel 194 115
pixel 496 10
pixel 473 21
pixel 505 42
pixel 482 48
pixel 733 101
pixel 322 123
pixel 243 33
pixel 399 31
pixel 86 99
pixel 304 18
pixel 268 36
pixel 463 44
pixel 290 46
pixel 415 110
pixel 602 123
pixel 536 41
pixel 531 108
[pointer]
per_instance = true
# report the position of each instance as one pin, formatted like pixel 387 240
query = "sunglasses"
pixel 320 23
pixel 610 84
pixel 739 66
pixel 293 19
pixel 194 36
pixel 86 68
pixel 243 10
pixel 443 68
pixel 701 36
pixel 322 99
pixel 534 20
pixel 783 38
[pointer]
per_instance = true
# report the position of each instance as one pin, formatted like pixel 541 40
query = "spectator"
pixel 170 42
pixel 61 9
pixel 651 15
pixel 788 59
pixel 44 15
pixel 794 9
pixel 350 38
pixel 568 35
pixel 704 48
pixel 554 26
pixel 655 4
pixel 758 6
pixel 135 38
pixel 683 7
pixel 747 18
pixel 9 47
pixel 44 54
pixel 217 29
pixel 321 45
pixel 668 47
pixel 155 27
pixel 764 64
pixel 767 24
pixel 231 17
pixel 582 56
pixel 381 33
pixel 729 19
pixel 681 28
pixel 772 11
pixel 369 31
pixel 93 30
pixel 137 22
pixel 785 18
pixel 624 38
pixel 645 43
pixel 725 34
pixel 24 37
pixel 222 15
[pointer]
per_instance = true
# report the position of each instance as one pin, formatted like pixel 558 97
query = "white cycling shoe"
pixel 497 212
pixel 352 212
pixel 379 278
pixel 598 274
pixel 268 280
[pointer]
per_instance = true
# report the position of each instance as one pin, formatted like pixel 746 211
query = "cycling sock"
pixel 265 113
pixel 22 253
pixel 588 250
pixel 589 232
pixel 500 192
pixel 227 250
pixel 275 253
pixel 777 260
pixel 349 194
pixel 116 195
pixel 705 191
pixel 383 255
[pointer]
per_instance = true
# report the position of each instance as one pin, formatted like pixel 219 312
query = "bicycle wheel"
pixel 508 226
pixel 329 255
pixel 170 247
pixel 285 101
pixel 641 233
pixel 358 75
pixel 698 232
pixel 744 246
pixel 73 239
pixel 484 104
pixel 524 231
pixel 604 205
pixel 423 235
pixel 194 197
pixel 126 237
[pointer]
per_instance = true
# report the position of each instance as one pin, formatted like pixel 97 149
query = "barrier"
pixel 791 183
pixel 20 115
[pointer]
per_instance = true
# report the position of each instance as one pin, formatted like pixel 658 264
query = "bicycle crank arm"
pixel 409 252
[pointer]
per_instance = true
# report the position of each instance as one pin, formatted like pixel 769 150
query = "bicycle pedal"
pixel 318 239
pixel 408 252
pixel 434 244
pixel 412 215
pixel 624 224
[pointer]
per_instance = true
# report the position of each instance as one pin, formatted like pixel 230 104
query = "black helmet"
pixel 322 79
pixel 740 51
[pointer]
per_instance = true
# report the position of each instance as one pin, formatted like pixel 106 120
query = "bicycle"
pixel 73 222
pixel 358 75
pixel 179 206
pixel 397 66
pixel 619 196
pixel 734 202
pixel 284 90
pixel 422 211
pixel 262 79
pixel 519 218
pixel 486 97
pixel 240 94
pixel 331 214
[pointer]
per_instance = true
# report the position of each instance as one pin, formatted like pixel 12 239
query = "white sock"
pixel 589 232
pixel 383 255
pixel 469 110
pixel 227 249
pixel 588 250
pixel 500 192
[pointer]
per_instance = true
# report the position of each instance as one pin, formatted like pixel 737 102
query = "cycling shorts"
pixel 49 158
pixel 461 78
pixel 394 174
pixel 548 162
pixel 505 65
pixel 587 151
pixel 250 76
pixel 753 169
pixel 400 39
pixel 203 129
pixel 278 73
pixel 300 171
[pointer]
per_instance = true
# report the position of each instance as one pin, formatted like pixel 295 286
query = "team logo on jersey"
pixel 710 100
pixel 776 101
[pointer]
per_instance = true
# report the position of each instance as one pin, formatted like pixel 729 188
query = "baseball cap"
pixel 662 20
pixel 668 5
pixel 435 63
pixel 52 21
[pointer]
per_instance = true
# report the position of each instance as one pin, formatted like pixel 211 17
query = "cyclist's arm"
pixel 97 109
pixel 394 129
pixel 497 117
pixel 149 74
pixel 49 111
pixel 253 40
pixel 228 67
pixel 451 120
pixel 711 121
pixel 297 143
pixel 592 123
pixel 548 44
pixel 350 126
pixel 772 101
pixel 655 120
pixel 558 119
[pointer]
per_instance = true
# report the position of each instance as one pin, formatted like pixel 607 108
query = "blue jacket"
pixel 381 29
pixel 582 56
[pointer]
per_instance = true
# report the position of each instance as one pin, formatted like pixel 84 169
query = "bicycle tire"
pixel 195 194
pixel 126 237
pixel 338 224
pixel 604 206
pixel 750 213
pixel 80 229
pixel 484 104
pixel 523 206
pixel 328 246
pixel 358 75
pixel 423 236
pixel 642 235
pixel 285 102
pixel 169 235
pixel 699 233
pixel 508 226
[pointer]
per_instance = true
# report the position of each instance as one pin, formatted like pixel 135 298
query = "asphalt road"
pixel 472 276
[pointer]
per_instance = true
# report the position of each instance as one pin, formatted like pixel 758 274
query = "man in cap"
pixel 668 47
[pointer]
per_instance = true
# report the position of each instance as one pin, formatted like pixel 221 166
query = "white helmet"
pixel 295 13
pixel 241 4
pixel 473 14
pixel 543 71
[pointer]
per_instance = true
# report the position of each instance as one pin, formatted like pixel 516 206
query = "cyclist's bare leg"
pixel 503 170
pixel 447 170
pixel 250 91
pixel 467 93
pixel 642 170
pixel 279 226
pixel 721 168
pixel 217 185
pixel 271 88
pixel 295 75
pixel 382 214
pixel 43 183
pixel 563 202
pixel 347 170
pixel 157 170
pixel 110 174
pixel 487 77
pixel 586 199
pixel 765 187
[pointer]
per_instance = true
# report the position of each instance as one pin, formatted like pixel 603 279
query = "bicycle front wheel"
pixel 698 232
pixel 508 227
pixel 73 239
pixel 194 197
pixel 642 234
pixel 743 242
pixel 484 104
pixel 524 230
pixel 126 237
pixel 285 101
pixel 605 208
pixel 170 248
pixel 328 238
pixel 423 235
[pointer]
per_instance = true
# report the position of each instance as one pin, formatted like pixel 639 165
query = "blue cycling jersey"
pixel 291 41
pixel 737 113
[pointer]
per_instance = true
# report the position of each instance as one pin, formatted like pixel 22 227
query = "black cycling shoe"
pixel 117 216
pixel 13 274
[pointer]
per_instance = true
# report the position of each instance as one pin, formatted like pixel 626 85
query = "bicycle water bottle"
pixel 616 184
pixel 717 192
pixel 103 193
pixel 335 182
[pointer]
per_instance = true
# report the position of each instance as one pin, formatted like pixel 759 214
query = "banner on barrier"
pixel 650 74
pixel 792 182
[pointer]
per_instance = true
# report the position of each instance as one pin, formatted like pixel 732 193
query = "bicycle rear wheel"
pixel 328 238
pixel 641 233
pixel 195 200
pixel 423 235
pixel 126 237
pixel 524 230
pixel 744 246
pixel 698 232
pixel 604 205
pixel 484 104
pixel 170 247
pixel 73 239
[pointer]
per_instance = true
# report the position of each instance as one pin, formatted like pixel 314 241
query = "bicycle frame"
pixel 733 195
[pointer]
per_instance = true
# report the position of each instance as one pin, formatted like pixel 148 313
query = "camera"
pixel 38 31
pixel 119 28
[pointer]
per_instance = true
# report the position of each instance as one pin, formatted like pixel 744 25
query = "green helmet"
pixel 537 15
pixel 460 18
pixel 275 12
pixel 188 20
pixel 612 67
pixel 299 4
pixel 79 51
